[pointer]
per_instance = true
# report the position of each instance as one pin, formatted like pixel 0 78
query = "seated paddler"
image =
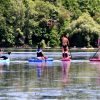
pixel 40 54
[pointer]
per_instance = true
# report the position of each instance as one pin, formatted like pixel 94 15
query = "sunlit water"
pixel 78 79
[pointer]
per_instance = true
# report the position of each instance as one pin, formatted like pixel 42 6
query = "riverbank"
pixel 49 49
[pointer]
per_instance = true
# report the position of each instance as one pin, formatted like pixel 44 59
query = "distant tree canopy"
pixel 29 22
pixel 84 31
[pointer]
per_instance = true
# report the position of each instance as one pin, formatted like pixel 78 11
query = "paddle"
pixel 95 53
pixel 70 52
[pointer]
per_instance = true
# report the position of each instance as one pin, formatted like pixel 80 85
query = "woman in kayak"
pixel 40 54
pixel 65 43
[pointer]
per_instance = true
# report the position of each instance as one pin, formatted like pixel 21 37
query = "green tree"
pixel 84 31
pixel 13 18
pixel 73 7
pixel 91 6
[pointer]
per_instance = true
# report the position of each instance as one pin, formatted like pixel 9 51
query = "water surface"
pixel 57 80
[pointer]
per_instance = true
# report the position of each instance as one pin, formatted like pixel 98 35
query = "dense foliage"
pixel 29 22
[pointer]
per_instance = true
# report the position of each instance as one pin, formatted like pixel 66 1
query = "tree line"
pixel 29 22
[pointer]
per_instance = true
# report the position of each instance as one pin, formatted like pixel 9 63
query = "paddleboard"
pixel 65 59
pixel 40 60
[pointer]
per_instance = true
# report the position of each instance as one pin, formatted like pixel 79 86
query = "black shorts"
pixel 65 55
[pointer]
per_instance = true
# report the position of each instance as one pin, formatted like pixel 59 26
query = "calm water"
pixel 57 80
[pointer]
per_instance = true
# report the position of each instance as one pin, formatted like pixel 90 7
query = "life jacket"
pixel 39 53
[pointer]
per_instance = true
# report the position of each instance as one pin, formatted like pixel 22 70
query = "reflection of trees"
pixel 18 76
pixel 23 77
pixel 83 73
pixel 1 69
pixel 3 74
pixel 98 69
pixel 51 75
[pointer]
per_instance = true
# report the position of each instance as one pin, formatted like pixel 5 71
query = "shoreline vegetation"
pixel 30 22
pixel 50 49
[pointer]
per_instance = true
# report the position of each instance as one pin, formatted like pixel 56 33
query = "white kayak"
pixel 4 60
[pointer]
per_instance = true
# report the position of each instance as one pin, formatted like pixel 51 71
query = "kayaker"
pixel 40 54
pixel 65 44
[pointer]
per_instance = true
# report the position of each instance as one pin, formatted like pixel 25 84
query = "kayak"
pixel 94 59
pixel 40 60
pixel 65 59
pixel 4 60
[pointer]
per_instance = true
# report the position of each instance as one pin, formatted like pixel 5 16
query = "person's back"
pixel 40 53
pixel 65 43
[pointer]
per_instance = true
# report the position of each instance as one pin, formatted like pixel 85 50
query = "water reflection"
pixel 42 67
pixel 44 71
pixel 1 69
pixel 55 80
pixel 65 71
pixel 97 65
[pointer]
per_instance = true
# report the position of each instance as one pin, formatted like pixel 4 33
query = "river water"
pixel 78 79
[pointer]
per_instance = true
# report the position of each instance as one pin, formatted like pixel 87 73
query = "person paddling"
pixel 40 54
pixel 65 44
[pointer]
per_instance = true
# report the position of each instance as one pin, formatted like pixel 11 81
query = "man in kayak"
pixel 40 54
pixel 65 44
